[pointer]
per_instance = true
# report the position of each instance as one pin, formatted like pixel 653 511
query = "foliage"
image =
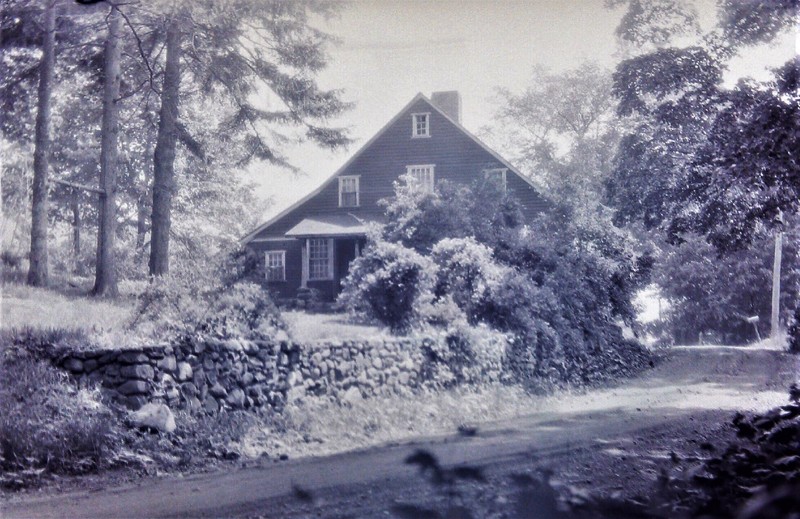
pixel 712 293
pixel 558 289
pixel 418 219
pixel 211 299
pixel 387 282
pixel 46 424
pixel 794 331
pixel 701 157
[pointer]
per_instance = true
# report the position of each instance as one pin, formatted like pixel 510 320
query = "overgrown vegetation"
pixel 560 287
pixel 47 424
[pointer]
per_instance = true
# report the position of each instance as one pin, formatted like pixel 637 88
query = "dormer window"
pixel 420 125
pixel 348 191
pixel 497 175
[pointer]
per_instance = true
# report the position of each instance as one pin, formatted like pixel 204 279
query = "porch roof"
pixel 329 226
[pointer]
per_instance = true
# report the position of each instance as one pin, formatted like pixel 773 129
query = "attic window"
pixel 423 175
pixel 496 175
pixel 348 191
pixel 420 126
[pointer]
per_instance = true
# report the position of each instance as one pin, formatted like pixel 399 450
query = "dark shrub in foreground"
pixel 46 423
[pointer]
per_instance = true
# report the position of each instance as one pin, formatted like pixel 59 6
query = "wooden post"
pixel 304 275
pixel 776 288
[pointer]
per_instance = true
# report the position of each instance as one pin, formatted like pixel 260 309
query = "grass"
pixel 41 308
pixel 319 427
pixel 305 327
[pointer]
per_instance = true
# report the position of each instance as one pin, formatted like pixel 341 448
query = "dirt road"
pixel 598 441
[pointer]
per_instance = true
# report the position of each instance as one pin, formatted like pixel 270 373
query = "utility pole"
pixel 776 288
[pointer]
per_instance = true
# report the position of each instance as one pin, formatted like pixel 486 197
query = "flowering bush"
pixel 388 282
pixel 212 300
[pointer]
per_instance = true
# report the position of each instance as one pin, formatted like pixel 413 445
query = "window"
pixel 423 174
pixel 320 258
pixel 497 175
pixel 276 265
pixel 348 191
pixel 420 126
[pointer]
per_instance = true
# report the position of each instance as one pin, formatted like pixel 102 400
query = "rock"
pixel 236 399
pixel 90 365
pixel 133 387
pixel 108 357
pixel 247 379
pixel 193 404
pixel 210 405
pixel 153 416
pixel 134 402
pixel 232 345
pixel 352 396
pixel 402 378
pixel 218 391
pixel 74 365
pixel 140 371
pixel 208 364
pixel 172 393
pixel 132 357
pixel 184 371
pixel 168 363
pixel 189 389
pixel 377 363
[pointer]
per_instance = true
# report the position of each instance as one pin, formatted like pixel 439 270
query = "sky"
pixel 390 50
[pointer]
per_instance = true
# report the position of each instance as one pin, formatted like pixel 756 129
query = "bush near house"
pixel 559 288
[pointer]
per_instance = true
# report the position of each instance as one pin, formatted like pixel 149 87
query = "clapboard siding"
pixel 455 154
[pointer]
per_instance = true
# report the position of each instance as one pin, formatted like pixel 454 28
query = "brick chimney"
pixel 448 102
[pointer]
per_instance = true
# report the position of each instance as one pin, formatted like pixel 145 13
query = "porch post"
pixel 304 275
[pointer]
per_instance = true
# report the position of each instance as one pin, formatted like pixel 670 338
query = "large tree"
pixel 704 158
pixel 238 50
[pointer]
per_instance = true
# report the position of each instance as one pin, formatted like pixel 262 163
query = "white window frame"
pixel 342 180
pixel 493 171
pixel 328 247
pixel 428 186
pixel 268 268
pixel 427 130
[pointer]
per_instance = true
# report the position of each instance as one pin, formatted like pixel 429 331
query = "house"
pixel 312 243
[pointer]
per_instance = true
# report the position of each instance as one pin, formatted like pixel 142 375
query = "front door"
pixel 345 253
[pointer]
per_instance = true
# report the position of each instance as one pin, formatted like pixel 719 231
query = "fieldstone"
pixel 152 416
pixel 193 404
pixel 155 353
pixel 140 371
pixel 132 357
pixel 168 363
pixel 90 365
pixel 403 378
pixel 211 376
pixel 260 377
pixel 218 391
pixel 247 379
pixel 172 393
pixel 208 364
pixel 184 371
pixel 199 377
pixel 133 387
pixel 281 336
pixel 352 396
pixel 377 363
pixel 189 389
pixel 198 347
pixel 232 345
pixel 167 379
pixel 74 365
pixel 211 405
pixel 236 399
pixel 108 357
pixel 134 402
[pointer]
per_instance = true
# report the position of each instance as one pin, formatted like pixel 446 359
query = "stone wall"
pixel 213 375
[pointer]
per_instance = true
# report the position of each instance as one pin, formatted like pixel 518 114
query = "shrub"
pixel 48 424
pixel 215 300
pixel 794 332
pixel 388 282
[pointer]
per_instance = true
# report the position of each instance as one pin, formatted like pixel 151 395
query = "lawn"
pixel 41 308
pixel 307 328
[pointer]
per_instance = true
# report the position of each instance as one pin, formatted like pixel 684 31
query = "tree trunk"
pixel 76 233
pixel 164 156
pixel 38 271
pixel 105 283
